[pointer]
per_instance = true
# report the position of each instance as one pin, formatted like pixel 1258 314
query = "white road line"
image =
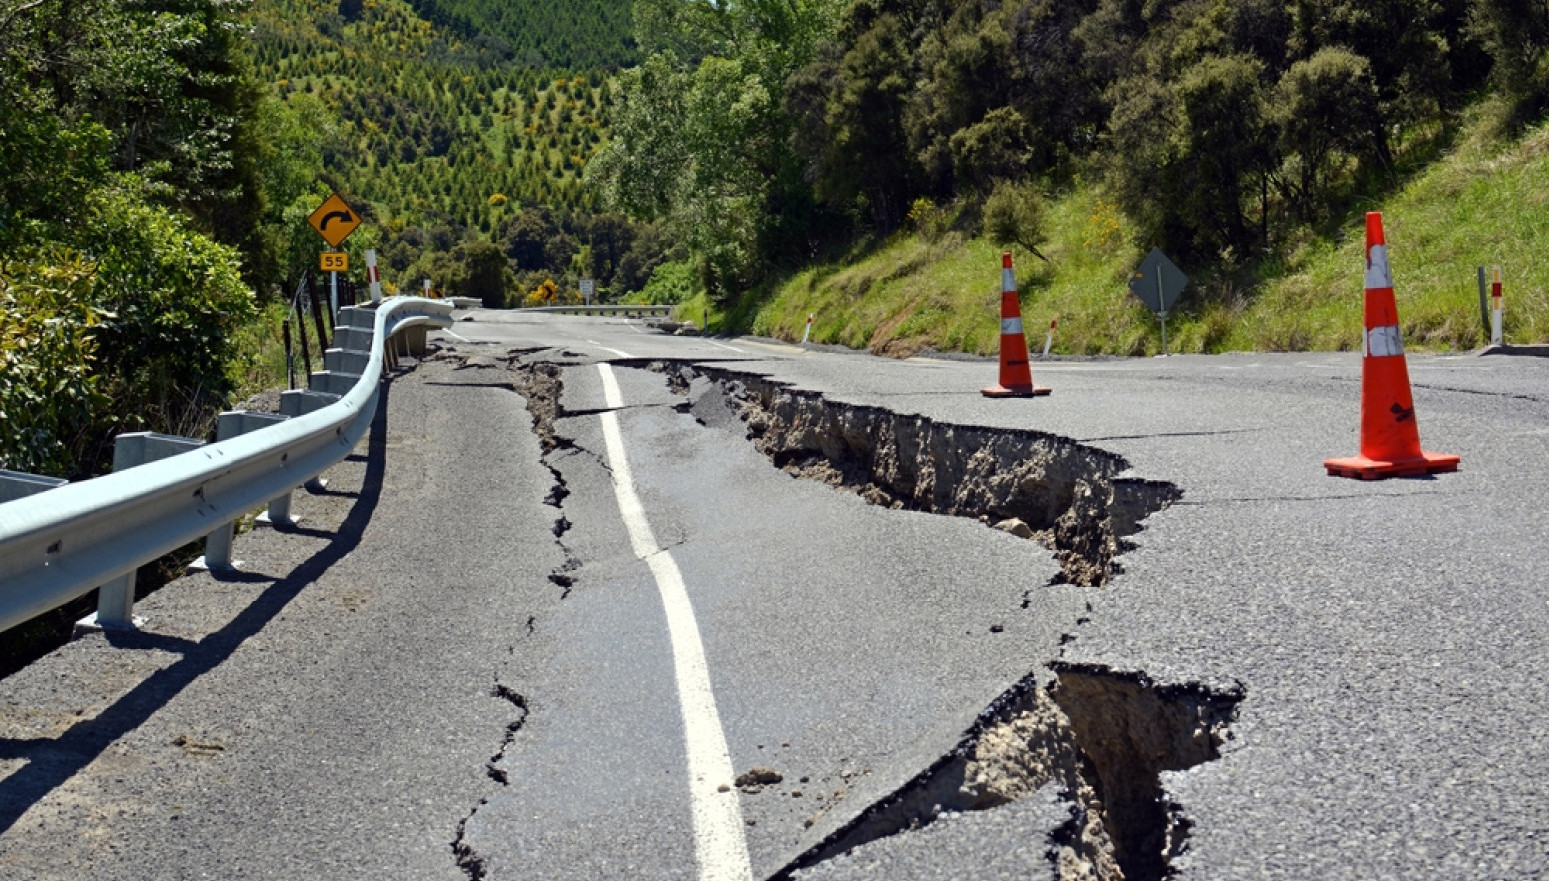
pixel 456 337
pixel 719 841
pixel 724 346
pixel 775 347
pixel 617 352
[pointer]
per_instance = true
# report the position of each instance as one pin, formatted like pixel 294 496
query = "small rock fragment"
pixel 756 779
pixel 1016 527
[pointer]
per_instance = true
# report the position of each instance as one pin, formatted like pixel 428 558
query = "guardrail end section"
pixel 19 485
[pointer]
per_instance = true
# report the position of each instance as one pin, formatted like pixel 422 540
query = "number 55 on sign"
pixel 335 261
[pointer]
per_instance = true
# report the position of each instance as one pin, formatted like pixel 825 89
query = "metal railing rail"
pixel 59 544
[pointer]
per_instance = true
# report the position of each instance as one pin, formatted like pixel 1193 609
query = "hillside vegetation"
pixel 468 161
pixel 863 159
pixel 1486 202
pixel 543 34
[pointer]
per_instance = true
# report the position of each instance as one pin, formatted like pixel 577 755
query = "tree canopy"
pixel 1218 126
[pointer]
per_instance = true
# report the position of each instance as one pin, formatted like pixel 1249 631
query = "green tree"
pixel 1321 107
pixel 684 152
pixel 1187 158
pixel 486 274
pixel 702 141
pixel 852 117
pixel 995 148
pixel 1515 34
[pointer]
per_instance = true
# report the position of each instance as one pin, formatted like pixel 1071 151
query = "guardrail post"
pixel 414 340
pixel 115 600
pixel 217 545
pixel 300 402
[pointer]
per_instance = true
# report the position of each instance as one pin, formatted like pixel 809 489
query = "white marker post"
pixel 376 282
pixel 1049 340
pixel 1495 302
pixel 808 332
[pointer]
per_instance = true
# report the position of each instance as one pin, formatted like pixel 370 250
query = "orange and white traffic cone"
pixel 1016 375
pixel 1390 438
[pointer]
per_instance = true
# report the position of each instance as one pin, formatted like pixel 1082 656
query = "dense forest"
pixel 131 222
pixel 543 34
pixel 765 133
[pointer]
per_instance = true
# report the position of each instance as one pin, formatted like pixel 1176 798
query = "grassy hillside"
pixel 1485 202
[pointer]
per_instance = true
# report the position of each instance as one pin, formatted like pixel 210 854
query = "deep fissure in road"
pixel 1073 498
pixel 540 386
pixel 1101 737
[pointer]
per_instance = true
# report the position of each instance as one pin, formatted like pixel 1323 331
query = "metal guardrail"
pixel 610 309
pixel 61 543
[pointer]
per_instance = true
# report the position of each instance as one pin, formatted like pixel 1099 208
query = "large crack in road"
pixel 1099 737
pixel 1071 497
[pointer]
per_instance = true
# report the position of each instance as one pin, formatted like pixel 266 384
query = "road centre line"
pixel 456 337
pixel 618 352
pixel 720 845
pixel 724 346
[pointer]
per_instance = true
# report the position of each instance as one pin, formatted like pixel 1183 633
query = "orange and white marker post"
pixel 1016 375
pixel 808 332
pixel 371 274
pixel 1048 341
pixel 1390 437
pixel 1495 306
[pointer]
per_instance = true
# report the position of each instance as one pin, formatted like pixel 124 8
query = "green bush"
pixel 670 284
pixel 1014 215
pixel 48 392
pixel 172 301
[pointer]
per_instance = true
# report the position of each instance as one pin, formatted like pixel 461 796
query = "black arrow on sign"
pixel 343 216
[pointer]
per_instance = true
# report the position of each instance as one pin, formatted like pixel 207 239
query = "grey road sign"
pixel 1157 282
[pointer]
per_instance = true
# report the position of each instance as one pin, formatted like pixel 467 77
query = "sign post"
pixel 334 220
pixel 588 288
pixel 1157 282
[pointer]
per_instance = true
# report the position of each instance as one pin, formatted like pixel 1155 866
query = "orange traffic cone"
pixel 1016 376
pixel 1390 439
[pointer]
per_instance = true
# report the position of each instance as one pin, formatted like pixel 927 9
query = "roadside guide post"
pixel 1484 303
pixel 371 275
pixel 1495 313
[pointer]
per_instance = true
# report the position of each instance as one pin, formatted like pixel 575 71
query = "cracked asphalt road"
pixel 340 712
